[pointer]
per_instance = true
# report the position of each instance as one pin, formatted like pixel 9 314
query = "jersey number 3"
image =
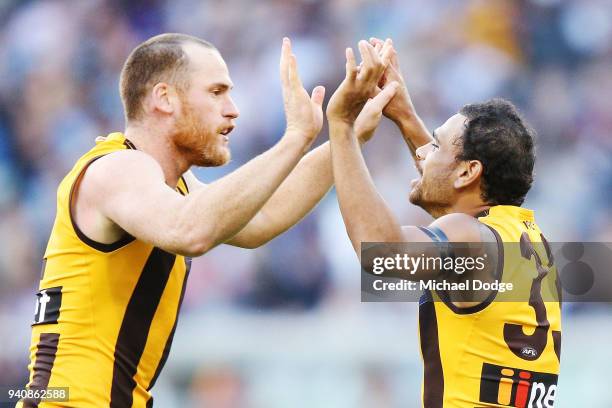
pixel 530 346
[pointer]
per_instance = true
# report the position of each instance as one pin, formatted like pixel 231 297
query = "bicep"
pixel 131 192
pixel 249 236
pixel 252 235
pixel 426 252
pixel 396 259
pixel 471 250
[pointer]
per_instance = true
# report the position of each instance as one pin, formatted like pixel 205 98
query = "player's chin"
pixel 223 156
pixel 221 160
pixel 219 157
pixel 416 193
pixel 416 196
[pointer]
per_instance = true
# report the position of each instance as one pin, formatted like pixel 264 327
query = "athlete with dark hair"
pixel 475 171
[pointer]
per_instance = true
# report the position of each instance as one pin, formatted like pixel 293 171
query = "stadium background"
pixel 282 326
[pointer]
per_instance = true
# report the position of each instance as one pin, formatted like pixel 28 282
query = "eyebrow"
pixel 222 85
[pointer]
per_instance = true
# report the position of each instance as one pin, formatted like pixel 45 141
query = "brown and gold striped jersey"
pixel 106 313
pixel 502 352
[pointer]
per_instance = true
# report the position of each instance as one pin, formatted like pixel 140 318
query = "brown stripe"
pixel 499 273
pixel 166 352
pixel 136 324
pixel 433 379
pixel 129 144
pixel 43 364
pixel 556 335
pixel 483 213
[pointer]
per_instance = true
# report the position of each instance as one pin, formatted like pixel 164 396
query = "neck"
pixel 470 204
pixel 160 146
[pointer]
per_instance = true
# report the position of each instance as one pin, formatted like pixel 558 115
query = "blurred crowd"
pixel 59 68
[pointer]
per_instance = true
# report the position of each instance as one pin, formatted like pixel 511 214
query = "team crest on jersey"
pixel 48 304
pixel 529 352
pixel 513 387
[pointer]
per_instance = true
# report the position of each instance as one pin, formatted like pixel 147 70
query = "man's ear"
pixel 164 98
pixel 469 172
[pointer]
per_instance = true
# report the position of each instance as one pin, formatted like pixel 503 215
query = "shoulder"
pixel 120 171
pixel 459 227
pixel 123 164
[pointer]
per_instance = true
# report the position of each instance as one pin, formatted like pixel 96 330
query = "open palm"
pixel 304 113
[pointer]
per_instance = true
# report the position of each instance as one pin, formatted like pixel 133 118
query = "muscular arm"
pixel 414 132
pixel 297 196
pixel 293 200
pixel 366 215
pixel 140 203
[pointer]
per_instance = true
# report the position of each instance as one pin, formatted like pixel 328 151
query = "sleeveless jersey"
pixel 105 313
pixel 499 353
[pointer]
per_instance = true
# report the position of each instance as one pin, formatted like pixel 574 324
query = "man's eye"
pixel 435 146
pixel 216 92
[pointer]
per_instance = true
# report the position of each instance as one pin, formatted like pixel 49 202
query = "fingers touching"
pixel 379 46
pixel 375 56
pixel 386 52
pixel 360 83
pixel 371 114
pixel 368 58
pixel 382 99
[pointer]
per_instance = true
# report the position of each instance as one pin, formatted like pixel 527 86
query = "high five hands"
pixel 401 104
pixel 358 102
pixel 369 90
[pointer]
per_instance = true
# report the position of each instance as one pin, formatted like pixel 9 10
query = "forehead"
pixel 451 129
pixel 206 64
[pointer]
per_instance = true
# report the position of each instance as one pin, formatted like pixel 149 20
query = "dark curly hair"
pixel 497 136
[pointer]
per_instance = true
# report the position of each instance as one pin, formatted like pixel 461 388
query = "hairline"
pixel 175 75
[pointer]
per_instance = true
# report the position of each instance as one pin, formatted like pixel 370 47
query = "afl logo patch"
pixel 529 352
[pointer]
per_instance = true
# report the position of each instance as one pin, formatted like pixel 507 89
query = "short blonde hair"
pixel 160 58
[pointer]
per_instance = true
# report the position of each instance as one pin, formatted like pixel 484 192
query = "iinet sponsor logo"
pixel 513 387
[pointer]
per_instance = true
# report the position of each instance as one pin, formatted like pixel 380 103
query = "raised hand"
pixel 360 82
pixel 400 107
pixel 369 117
pixel 304 113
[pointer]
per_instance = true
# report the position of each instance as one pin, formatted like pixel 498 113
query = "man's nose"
pixel 231 111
